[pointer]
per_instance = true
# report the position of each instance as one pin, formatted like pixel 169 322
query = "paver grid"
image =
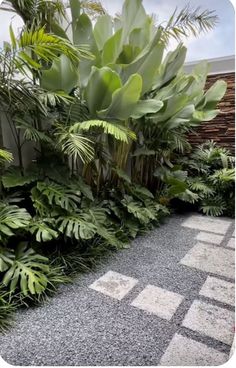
pixel 146 306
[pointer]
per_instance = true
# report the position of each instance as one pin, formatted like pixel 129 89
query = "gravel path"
pixel 83 326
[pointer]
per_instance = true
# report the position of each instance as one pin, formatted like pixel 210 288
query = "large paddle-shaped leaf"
pixel 124 100
pixel 98 93
pixel 62 76
pixel 144 107
pixel 147 63
pixel 103 30
pixel 83 35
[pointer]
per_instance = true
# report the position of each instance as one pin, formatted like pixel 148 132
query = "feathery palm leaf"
pixel 188 22
pixel 74 145
pixel 118 131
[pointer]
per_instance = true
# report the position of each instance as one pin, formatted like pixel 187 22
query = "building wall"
pixel 222 128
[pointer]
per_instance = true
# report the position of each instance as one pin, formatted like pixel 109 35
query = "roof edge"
pixel 220 65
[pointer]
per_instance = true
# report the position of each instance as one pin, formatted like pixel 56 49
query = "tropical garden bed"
pixel 108 113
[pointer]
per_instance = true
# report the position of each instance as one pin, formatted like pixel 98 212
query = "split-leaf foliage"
pixel 108 116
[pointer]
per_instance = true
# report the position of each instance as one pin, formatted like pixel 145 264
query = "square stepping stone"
pixel 211 321
pixel 218 289
pixel 114 284
pixel 209 258
pixel 158 301
pixel 231 243
pixel 207 223
pixel 209 237
pixel 184 351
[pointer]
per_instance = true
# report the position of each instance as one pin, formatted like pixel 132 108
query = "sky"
pixel 217 43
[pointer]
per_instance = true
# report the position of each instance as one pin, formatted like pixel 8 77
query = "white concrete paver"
pixel 184 351
pixel 211 321
pixel 218 289
pixel 158 301
pixel 114 284
pixel 231 243
pixel 209 258
pixel 210 224
pixel 209 237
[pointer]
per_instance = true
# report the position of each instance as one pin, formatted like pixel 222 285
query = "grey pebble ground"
pixel 80 326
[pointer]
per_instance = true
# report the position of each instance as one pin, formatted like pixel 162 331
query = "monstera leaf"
pixel 27 270
pixel 12 218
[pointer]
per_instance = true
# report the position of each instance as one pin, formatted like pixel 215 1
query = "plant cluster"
pixel 108 116
pixel 210 179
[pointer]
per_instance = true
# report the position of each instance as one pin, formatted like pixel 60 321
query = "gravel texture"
pixel 81 326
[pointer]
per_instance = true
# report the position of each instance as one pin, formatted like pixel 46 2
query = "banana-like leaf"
pixel 145 107
pixel 124 100
pixel 133 16
pixel 214 94
pixel 112 48
pixel 83 35
pixel 172 64
pixel 147 63
pixel 140 37
pixel 62 76
pixel 98 93
pixel 102 30
pixel 206 115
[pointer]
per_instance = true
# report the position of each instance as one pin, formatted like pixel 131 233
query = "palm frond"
pixel 74 145
pixel 5 156
pixel 92 8
pixel 188 21
pixel 118 131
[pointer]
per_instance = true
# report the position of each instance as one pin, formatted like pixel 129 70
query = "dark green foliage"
pixel 211 179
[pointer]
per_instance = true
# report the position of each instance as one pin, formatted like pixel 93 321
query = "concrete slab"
pixel 158 301
pixel 209 258
pixel 205 223
pixel 220 290
pixel 183 351
pixel 114 284
pixel 211 321
pixel 209 238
